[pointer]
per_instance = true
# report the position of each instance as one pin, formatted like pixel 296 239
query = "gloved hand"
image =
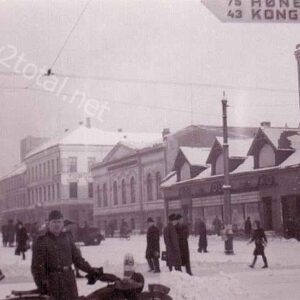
pixel 94 275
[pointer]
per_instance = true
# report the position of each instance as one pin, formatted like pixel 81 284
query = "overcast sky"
pixel 153 44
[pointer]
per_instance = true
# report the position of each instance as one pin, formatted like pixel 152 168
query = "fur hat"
pixel 55 215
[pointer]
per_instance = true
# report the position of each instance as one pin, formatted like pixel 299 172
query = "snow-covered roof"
pixel 196 156
pixel 293 159
pixel 94 136
pixel 237 147
pixel 246 166
pixel 18 170
pixel 138 145
pixel 295 141
pixel 169 180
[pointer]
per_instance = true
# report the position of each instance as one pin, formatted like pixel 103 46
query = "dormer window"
pixel 185 172
pixel 220 165
pixel 266 157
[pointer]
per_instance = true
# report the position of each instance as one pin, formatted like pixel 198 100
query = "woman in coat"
pixel 260 240
pixel 172 244
pixel 183 235
pixel 22 240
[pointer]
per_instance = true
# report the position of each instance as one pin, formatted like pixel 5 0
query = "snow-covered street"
pixel 216 276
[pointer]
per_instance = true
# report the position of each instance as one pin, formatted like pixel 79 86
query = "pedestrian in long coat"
pixel 172 244
pixel 182 230
pixel 217 223
pixel 248 227
pixel 260 240
pixel 202 244
pixel 22 240
pixel 153 249
pixel 54 252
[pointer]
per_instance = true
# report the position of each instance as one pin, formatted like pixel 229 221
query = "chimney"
pixel 265 124
pixel 88 123
pixel 165 133
pixel 297 55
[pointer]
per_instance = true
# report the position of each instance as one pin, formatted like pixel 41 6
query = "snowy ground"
pixel 216 276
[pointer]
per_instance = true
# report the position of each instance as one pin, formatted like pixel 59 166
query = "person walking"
pixel 172 244
pixel 153 249
pixel 53 254
pixel 22 240
pixel 182 231
pixel 248 227
pixel 202 244
pixel 260 240
pixel 2 276
pixel 217 224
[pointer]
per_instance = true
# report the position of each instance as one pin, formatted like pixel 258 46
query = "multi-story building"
pixel 127 185
pixel 264 180
pixel 58 174
pixel 134 171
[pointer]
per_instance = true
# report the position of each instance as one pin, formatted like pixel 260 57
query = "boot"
pixel 265 262
pixel 253 263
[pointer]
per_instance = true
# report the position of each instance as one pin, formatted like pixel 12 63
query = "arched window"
pixel 105 202
pixel 99 200
pixel 149 187
pixel 132 190
pixel 157 185
pixel 115 193
pixel 124 199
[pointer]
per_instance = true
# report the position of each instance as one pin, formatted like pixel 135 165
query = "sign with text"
pixel 255 11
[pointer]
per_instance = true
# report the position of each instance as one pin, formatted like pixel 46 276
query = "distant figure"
pixel 106 229
pixel 182 230
pixel 248 227
pixel 217 224
pixel 124 230
pixel 4 231
pixel 153 249
pixel 11 233
pixel 172 244
pixel 160 226
pixel 291 228
pixel 22 240
pixel 260 240
pixel 202 244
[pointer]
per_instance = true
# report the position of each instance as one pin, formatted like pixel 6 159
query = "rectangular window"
pixel 52 167
pixel 90 190
pixel 72 164
pixel 91 161
pixel 44 170
pixel 57 165
pixel 73 190
pixel 49 170
pixel 58 191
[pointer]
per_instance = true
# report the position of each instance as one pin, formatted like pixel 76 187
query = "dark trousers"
pixel 264 260
pixel 153 264
pixel 188 268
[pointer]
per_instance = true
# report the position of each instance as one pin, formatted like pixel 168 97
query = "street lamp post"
pixel 226 186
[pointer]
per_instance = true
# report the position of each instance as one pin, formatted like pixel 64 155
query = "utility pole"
pixel 226 185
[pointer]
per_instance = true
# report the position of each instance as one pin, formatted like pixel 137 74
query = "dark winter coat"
pixel 52 258
pixel 21 239
pixel 4 231
pixel 172 246
pixel 260 239
pixel 217 223
pixel 152 250
pixel 183 234
pixel 202 235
